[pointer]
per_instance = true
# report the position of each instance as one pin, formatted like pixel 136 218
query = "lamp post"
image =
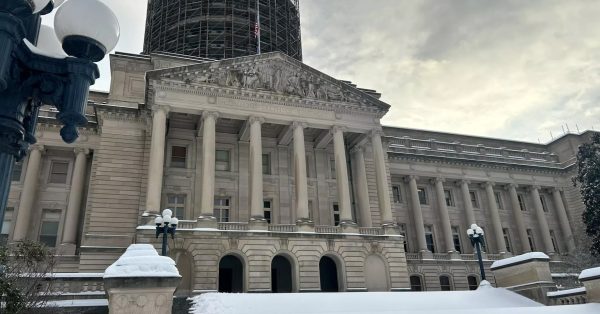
pixel 47 72
pixel 476 236
pixel 165 225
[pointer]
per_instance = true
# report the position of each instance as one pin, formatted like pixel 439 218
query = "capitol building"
pixel 283 178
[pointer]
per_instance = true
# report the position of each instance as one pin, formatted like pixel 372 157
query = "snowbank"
pixel 566 292
pixel 589 273
pixel 141 260
pixel 520 259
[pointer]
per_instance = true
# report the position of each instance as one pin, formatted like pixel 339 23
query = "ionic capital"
pixel 210 114
pixel 161 108
pixel 376 132
pixel 256 119
pixel 338 128
pixel 411 178
pixel 460 182
pixel 81 150
pixel 510 186
pixel 534 187
pixel 438 180
pixel 557 189
pixel 38 147
pixel 488 184
pixel 299 124
pixel 357 149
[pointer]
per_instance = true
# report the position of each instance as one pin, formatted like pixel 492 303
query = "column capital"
pixel 557 189
pixel 511 186
pixel 253 119
pixel 438 180
pixel 357 149
pixel 411 177
pixel 487 183
pixel 534 187
pixel 299 124
pixel 39 147
pixel 81 150
pixel 462 181
pixel 164 108
pixel 338 128
pixel 210 114
pixel 376 132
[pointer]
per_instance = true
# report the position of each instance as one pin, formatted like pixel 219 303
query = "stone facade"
pixel 262 157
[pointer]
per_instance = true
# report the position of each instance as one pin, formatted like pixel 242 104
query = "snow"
pixel 566 292
pixel 589 273
pixel 519 259
pixel 564 275
pixel 78 303
pixel 141 260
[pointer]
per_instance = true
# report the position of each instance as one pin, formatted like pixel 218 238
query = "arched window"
pixel 472 281
pixel 415 283
pixel 445 283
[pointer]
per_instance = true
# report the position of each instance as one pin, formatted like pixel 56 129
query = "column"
pixel 417 213
pixel 361 186
pixel 157 159
pixel 302 213
pixel 341 173
pixel 496 223
pixel 75 198
pixel 383 188
pixel 207 198
pixel 256 172
pixel 28 194
pixel 444 216
pixel 466 194
pixel 541 218
pixel 563 218
pixel 518 216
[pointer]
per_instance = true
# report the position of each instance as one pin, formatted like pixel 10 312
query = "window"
pixel 472 281
pixel 530 238
pixel 178 156
pixel 49 227
pixel 544 203
pixel 521 199
pixel 445 283
pixel 176 202
pixel 507 241
pixel 58 172
pixel 332 167
pixel 474 200
pixel 449 198
pixel 267 205
pixel 222 160
pixel 422 196
pixel 554 243
pixel 429 238
pixel 17 171
pixel 396 193
pixel 5 228
pixel 221 211
pixel 456 239
pixel 498 197
pixel 336 214
pixel 416 283
pixel 403 233
pixel 266 164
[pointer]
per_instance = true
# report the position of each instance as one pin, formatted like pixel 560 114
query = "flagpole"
pixel 258 25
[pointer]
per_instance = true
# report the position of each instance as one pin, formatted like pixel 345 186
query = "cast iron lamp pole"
pixel 476 236
pixel 47 73
pixel 162 227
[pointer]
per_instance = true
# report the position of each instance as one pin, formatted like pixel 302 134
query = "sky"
pixel 522 70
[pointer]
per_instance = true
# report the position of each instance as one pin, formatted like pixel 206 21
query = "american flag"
pixel 256 30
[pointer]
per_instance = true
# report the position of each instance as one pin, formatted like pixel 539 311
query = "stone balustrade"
pixel 567 297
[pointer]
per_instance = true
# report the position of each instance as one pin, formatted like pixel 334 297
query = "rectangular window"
pixel 403 233
pixel 422 196
pixel 530 239
pixel 498 197
pixel 266 164
pixel 176 202
pixel 17 171
pixel 336 214
pixel 474 201
pixel 396 193
pixel 449 198
pixel 5 228
pixel 222 160
pixel 49 227
pixel 178 156
pixel 521 199
pixel 332 167
pixel 267 206
pixel 554 243
pixel 221 210
pixel 58 172
pixel 456 239
pixel 544 203
pixel 429 238
pixel 507 241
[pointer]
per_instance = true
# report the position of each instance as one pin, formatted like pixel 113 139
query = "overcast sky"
pixel 502 68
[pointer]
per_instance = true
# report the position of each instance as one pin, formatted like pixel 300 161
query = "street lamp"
pixel 476 236
pixel 165 225
pixel 47 72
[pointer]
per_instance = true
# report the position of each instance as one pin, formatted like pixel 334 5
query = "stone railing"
pixel 441 256
pixel 186 224
pixel 371 231
pixel 468 257
pixel 327 229
pixel 494 257
pixel 283 228
pixel 567 297
pixel 233 226
pixel 412 256
pixel 66 286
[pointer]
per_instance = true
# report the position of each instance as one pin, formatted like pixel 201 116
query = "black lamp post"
pixel 476 236
pixel 166 225
pixel 33 73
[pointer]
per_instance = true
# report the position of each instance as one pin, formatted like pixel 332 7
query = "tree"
pixel 588 175
pixel 24 271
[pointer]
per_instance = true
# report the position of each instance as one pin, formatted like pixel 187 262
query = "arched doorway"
pixel 281 275
pixel 231 275
pixel 329 275
pixel 376 274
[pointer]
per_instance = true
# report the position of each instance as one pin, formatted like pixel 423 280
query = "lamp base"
pixel 84 47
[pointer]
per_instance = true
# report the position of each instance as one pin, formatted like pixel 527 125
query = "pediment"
pixel 274 73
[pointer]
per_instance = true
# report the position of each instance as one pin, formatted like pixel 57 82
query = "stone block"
pixel 591 280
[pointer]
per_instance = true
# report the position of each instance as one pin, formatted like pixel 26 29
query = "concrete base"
pixel 391 229
pixel 258 224
pixel 349 227
pixel 592 289
pixel 426 255
pixel 305 225
pixel 208 222
pixel 140 295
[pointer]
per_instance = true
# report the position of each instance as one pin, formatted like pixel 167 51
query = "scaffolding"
pixel 220 29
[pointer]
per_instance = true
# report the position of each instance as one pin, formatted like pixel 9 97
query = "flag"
pixel 256 30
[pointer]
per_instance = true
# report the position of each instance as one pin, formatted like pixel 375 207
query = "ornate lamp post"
pixel 476 236
pixel 47 72
pixel 162 227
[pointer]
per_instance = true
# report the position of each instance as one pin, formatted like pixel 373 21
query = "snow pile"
pixel 141 260
pixel 589 273
pixel 566 292
pixel 520 259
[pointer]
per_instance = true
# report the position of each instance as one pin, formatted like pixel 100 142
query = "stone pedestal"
pixel 391 230
pixel 591 280
pixel 305 225
pixel 258 224
pixel 140 295
pixel 348 227
pixel 207 222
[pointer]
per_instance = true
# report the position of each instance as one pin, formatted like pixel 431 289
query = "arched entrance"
pixel 329 275
pixel 231 275
pixel 281 275
pixel 375 274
